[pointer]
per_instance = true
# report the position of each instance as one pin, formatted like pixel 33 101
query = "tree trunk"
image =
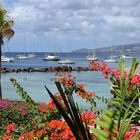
pixel 0 71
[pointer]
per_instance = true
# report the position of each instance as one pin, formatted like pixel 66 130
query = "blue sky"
pixel 54 25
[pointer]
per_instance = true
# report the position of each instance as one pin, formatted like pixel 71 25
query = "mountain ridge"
pixel 115 48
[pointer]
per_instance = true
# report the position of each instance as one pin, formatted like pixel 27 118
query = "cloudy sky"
pixel 62 25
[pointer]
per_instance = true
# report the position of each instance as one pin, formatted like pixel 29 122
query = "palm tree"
pixel 5 32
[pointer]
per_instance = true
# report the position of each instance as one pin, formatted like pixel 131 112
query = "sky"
pixel 67 25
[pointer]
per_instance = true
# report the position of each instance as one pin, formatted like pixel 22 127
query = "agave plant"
pixel 72 116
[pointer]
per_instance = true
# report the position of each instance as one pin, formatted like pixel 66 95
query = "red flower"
pixel 43 107
pixel 88 117
pixel 60 130
pixel 130 134
pixel 6 137
pixel 135 79
pixel 66 79
pixel 10 128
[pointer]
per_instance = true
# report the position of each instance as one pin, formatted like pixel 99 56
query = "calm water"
pixel 34 83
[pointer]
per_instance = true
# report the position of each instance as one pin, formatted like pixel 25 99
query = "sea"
pixel 34 82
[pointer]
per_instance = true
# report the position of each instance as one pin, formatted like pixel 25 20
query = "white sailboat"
pixel 25 55
pixel 51 58
pixel 110 60
pixel 66 61
pixel 31 55
pixel 91 58
pixel 7 59
pixel 125 57
pixel 22 56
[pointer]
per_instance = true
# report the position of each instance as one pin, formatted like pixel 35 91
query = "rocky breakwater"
pixel 47 69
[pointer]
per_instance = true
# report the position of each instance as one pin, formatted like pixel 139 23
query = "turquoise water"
pixel 34 83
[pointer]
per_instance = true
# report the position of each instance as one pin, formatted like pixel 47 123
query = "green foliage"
pixel 12 114
pixel 120 117
pixel 22 93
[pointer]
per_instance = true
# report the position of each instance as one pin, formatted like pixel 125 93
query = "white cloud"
pixel 70 18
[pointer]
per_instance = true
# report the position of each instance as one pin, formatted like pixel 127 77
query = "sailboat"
pixel 122 56
pixel 52 56
pixel 110 60
pixel 66 61
pixel 49 57
pixel 7 59
pixel 25 55
pixel 125 56
pixel 92 57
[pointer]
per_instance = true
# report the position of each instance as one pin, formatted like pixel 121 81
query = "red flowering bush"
pixel 27 123
pixel 60 130
pixel 88 117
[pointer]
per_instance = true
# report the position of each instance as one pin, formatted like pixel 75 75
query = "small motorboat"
pixel 66 62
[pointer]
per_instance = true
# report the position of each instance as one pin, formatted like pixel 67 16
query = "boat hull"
pixel 46 59
pixel 7 59
pixel 110 61
pixel 66 62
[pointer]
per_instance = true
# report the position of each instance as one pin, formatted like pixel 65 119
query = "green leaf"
pixel 105 125
pixel 45 138
pixel 97 132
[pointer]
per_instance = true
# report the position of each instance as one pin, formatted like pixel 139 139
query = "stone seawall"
pixel 46 69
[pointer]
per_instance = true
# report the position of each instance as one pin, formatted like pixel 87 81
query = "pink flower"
pixel 130 134
pixel 135 79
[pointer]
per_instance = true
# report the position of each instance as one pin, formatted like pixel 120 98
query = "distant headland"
pixel 125 48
